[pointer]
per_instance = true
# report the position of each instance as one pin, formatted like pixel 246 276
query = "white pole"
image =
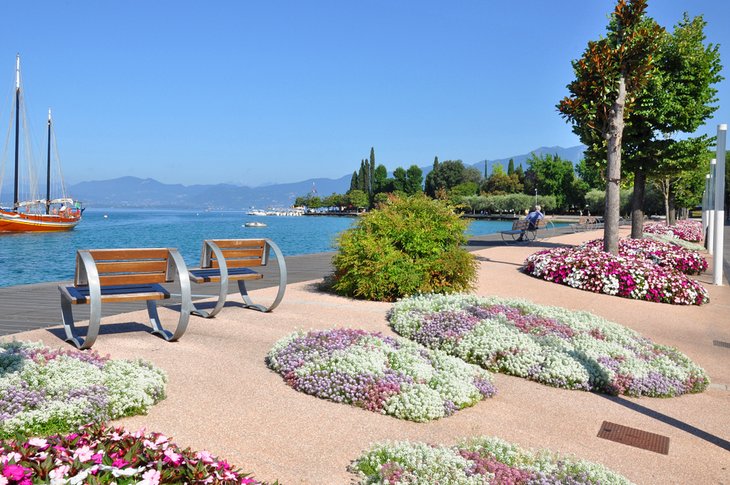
pixel 704 208
pixel 711 211
pixel 719 204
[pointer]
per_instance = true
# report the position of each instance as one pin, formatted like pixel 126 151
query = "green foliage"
pixel 414 180
pixel 511 167
pixel 596 201
pixel 552 175
pixel 448 175
pixel 508 203
pixel 501 183
pixel 310 201
pixel 466 188
pixel 358 199
pixel 591 172
pixel 408 246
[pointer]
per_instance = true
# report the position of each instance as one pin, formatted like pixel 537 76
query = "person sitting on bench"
pixel 532 220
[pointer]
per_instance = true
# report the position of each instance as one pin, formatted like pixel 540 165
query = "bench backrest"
pixel 127 266
pixel 520 224
pixel 238 253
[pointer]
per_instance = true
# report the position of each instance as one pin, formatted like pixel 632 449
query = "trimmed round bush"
pixel 408 246
pixel 480 460
pixel 550 345
pixel 381 374
pixel 45 391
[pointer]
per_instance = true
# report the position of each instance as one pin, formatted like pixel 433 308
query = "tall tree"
pixel 609 76
pixel 414 180
pixel 371 171
pixel 380 180
pixel 445 176
pixel 400 179
pixel 354 182
pixel 511 167
pixel 679 100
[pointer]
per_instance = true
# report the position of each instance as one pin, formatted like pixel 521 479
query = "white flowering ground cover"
pixel 481 460
pixel 45 391
pixel 550 345
pixel 382 374
pixel 636 273
pixel 675 240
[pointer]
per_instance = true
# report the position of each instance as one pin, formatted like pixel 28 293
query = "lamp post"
pixel 535 196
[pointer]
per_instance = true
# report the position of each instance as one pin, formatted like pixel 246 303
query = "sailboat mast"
pixel 17 128
pixel 48 167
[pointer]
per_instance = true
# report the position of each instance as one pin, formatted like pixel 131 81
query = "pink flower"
pixel 59 473
pixel 15 472
pixel 38 442
pixel 83 454
pixel 204 456
pixel 120 463
pixel 172 457
pixel 150 477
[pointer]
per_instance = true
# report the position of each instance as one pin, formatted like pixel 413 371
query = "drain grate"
pixel 634 437
pixel 720 343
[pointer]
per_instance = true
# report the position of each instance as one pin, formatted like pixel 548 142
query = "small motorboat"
pixel 254 224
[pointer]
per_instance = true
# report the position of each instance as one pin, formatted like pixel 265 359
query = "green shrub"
pixel 407 246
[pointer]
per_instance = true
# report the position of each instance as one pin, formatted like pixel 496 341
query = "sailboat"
pixel 35 214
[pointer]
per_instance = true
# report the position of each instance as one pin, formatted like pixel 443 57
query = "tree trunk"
pixel 665 192
pixel 672 211
pixel 637 204
pixel 613 171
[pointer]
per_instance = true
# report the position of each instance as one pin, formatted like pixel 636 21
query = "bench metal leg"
pixel 92 332
pixel 186 303
pixel 282 282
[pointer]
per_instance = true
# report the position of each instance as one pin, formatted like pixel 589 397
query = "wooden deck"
pixel 27 307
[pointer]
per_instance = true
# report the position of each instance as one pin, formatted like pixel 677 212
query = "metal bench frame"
pixel 87 274
pixel 544 228
pixel 211 251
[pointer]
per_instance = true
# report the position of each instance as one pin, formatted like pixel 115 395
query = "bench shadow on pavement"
pixel 676 423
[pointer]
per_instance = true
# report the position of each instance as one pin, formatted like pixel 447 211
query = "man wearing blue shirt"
pixel 532 220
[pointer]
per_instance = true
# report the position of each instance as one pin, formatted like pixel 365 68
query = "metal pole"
pixel 704 210
pixel 711 212
pixel 48 166
pixel 719 204
pixel 17 129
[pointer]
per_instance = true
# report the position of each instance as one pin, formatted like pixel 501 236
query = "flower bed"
pixel 45 391
pixel 682 259
pixel 628 276
pixel 683 229
pixel 675 241
pixel 550 345
pixel 476 460
pixel 110 455
pixel 382 374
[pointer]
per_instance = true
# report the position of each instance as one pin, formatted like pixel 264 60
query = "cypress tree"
pixel 511 167
pixel 354 182
pixel 371 174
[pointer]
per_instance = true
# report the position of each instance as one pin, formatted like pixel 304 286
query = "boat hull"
pixel 19 222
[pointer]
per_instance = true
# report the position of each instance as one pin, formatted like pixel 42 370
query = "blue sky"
pixel 268 92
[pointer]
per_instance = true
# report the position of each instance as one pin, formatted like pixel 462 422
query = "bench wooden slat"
pixel 239 243
pixel 144 266
pixel 131 279
pixel 127 254
pixel 79 295
pixel 242 253
pixel 238 263
pixel 212 275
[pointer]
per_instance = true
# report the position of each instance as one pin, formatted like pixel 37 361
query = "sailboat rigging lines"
pixel 35 214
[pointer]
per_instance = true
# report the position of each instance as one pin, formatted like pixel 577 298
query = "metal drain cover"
pixel 634 437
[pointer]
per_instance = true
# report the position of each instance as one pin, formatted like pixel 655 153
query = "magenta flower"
pixel 15 472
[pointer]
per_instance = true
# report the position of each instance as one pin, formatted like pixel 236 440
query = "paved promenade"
pixel 223 398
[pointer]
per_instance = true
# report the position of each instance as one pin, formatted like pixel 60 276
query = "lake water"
pixel 34 258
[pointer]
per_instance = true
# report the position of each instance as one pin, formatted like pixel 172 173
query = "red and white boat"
pixel 37 214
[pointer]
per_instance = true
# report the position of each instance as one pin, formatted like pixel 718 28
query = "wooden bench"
pixel 124 275
pixel 521 228
pixel 224 260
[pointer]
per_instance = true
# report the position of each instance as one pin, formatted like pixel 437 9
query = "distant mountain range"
pixel 134 192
